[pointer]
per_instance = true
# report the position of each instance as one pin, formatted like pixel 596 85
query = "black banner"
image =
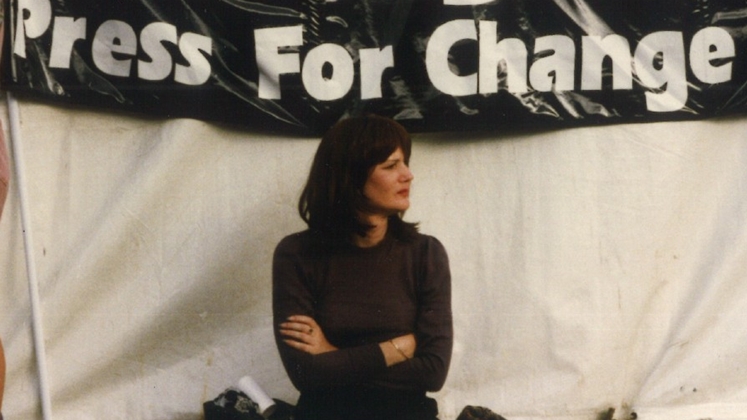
pixel 284 65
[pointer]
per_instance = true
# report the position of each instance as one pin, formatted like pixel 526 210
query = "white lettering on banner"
pixel 437 58
pixel 271 64
pixel 659 62
pixel 342 74
pixel 377 60
pixel 115 45
pixel 596 49
pixel 711 44
pixel 336 84
pixel 112 37
pixel 553 70
pixel 192 46
pixel 39 14
pixel 152 38
pixel 66 31
pixel 510 54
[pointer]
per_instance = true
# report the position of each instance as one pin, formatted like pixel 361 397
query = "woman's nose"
pixel 407 174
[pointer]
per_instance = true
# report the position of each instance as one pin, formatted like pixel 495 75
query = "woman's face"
pixel 388 186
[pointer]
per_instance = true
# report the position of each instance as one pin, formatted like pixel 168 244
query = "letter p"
pixel 33 26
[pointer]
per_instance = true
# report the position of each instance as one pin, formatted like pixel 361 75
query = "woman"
pixel 361 300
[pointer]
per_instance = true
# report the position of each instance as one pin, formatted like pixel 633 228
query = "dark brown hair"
pixel 333 196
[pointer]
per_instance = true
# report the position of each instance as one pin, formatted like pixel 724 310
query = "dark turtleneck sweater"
pixel 361 297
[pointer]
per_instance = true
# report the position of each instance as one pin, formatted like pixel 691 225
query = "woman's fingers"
pixel 295 334
pixel 297 326
pixel 303 333
pixel 303 319
pixel 301 323
pixel 298 345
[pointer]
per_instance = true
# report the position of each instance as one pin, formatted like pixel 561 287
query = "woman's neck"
pixel 374 235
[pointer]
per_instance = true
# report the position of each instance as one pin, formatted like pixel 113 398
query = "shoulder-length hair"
pixel 333 199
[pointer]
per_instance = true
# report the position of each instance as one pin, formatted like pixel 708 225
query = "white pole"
pixel 36 316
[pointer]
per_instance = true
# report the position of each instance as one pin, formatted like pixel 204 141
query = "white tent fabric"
pixel 593 268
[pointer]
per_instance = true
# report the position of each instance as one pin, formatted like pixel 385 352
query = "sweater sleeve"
pixel 293 294
pixel 427 370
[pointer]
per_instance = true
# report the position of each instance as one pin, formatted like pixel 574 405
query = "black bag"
pixel 235 405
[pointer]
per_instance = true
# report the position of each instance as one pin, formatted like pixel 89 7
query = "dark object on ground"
pixel 478 413
pixel 235 405
pixel 606 415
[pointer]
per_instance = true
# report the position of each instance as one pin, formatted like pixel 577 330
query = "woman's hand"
pixel 304 334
